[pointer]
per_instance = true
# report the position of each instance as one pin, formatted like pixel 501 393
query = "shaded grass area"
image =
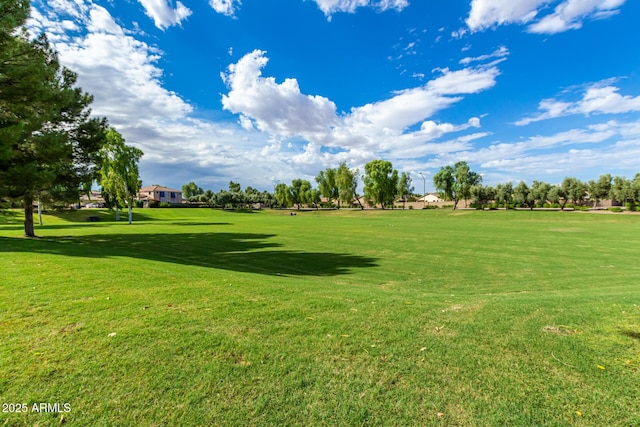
pixel 338 318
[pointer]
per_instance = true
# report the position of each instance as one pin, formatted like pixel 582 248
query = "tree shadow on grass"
pixel 243 252
pixel 632 334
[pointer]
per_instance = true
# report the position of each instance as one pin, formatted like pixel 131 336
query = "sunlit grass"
pixel 201 317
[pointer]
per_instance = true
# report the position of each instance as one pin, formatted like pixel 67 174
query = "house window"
pixel 162 194
pixel 173 195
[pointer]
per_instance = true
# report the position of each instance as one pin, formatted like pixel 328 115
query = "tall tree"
pixel 328 186
pixel 119 175
pixel 504 194
pixel 191 191
pixel 600 189
pixel 574 190
pixel 380 182
pixel 523 195
pixel 455 182
pixel 540 192
pixel 283 195
pixel 48 143
pixel 300 191
pixel 557 195
pixel 444 181
pixel 347 182
pixel 404 188
pixel 480 194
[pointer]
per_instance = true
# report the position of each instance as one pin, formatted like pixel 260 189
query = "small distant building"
pixel 431 198
pixel 159 194
pixel 92 200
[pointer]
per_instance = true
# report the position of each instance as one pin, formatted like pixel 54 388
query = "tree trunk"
pixel 130 213
pixel 117 213
pixel 28 216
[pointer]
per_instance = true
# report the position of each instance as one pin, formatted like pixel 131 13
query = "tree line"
pixel 384 186
pixel 458 182
pixel 51 147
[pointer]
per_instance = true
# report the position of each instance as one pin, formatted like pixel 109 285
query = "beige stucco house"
pixel 160 194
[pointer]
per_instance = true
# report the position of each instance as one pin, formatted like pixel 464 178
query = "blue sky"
pixel 260 91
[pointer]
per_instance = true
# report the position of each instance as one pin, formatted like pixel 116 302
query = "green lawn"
pixel 200 317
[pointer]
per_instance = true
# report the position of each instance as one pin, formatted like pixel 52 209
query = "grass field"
pixel 200 317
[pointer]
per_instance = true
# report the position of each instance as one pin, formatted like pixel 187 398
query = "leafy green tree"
pixel 380 182
pixel 300 191
pixel 574 190
pixel 523 195
pixel 600 189
pixel 465 179
pixel 455 182
pixel 328 186
pixel 626 191
pixel 283 195
pixel 444 181
pixel 540 192
pixel 504 194
pixel 234 187
pixel 314 197
pixel 481 195
pixel 191 191
pixel 48 143
pixel 118 174
pixel 347 182
pixel 557 196
pixel 405 189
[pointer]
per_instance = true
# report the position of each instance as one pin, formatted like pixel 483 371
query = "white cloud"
pixel 586 151
pixel 330 7
pixel 164 15
pixel 501 52
pixel 375 129
pixel 225 7
pixel 278 108
pixel 597 99
pixel 488 13
pixel 567 15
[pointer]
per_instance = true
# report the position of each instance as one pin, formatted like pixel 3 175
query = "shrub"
pixel 615 209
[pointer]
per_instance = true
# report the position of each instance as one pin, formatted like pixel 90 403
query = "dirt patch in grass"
pixel 560 330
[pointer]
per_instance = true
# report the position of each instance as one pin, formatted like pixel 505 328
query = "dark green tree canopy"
pixel 48 142
pixel 380 182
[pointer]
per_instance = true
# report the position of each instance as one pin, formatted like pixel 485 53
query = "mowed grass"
pixel 324 318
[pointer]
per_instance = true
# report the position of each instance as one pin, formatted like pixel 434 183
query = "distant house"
pixel 431 198
pixel 92 200
pixel 159 194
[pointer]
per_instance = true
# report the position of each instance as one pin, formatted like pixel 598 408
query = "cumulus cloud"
pixel 278 108
pixel 570 14
pixel 597 99
pixel 567 15
pixel 488 13
pixel 395 126
pixel 330 7
pixel 225 7
pixel 123 75
pixel 163 13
